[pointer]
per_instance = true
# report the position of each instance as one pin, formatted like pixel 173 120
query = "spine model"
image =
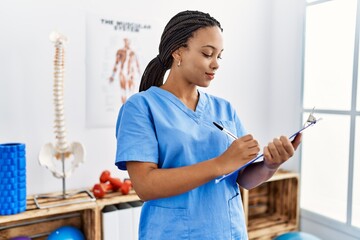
pixel 61 145
pixel 62 150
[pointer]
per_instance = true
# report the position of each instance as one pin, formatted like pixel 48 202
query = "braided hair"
pixel 176 34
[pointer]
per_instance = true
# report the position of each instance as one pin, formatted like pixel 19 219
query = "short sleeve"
pixel 135 134
pixel 240 129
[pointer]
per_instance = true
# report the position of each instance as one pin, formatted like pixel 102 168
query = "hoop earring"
pixel 179 63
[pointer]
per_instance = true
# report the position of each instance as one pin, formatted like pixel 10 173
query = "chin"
pixel 205 84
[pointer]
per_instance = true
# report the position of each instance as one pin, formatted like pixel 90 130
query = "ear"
pixel 177 55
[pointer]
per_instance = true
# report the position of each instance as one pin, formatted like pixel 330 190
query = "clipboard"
pixel 310 122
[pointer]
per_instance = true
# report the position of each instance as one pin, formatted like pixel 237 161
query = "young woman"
pixel 167 141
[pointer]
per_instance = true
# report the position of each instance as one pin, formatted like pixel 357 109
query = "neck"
pixel 187 93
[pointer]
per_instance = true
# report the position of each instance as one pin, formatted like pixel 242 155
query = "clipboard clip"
pixel 311 119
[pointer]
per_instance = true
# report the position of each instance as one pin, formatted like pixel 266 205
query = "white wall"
pixel 260 74
pixel 26 75
pixel 286 69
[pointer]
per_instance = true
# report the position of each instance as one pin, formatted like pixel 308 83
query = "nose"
pixel 214 64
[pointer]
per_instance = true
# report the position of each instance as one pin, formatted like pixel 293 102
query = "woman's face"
pixel 200 59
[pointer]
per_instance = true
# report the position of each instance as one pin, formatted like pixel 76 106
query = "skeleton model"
pixel 62 150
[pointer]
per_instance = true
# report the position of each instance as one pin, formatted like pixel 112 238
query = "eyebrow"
pixel 210 46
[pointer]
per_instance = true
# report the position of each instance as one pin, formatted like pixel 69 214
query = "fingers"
pixel 249 144
pixel 288 148
pixel 273 151
pixel 297 140
pixel 247 138
pixel 269 161
pixel 280 150
pixel 241 151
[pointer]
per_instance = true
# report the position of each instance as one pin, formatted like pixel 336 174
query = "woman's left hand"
pixel 280 150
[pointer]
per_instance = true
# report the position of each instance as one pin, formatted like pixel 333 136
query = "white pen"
pixel 225 130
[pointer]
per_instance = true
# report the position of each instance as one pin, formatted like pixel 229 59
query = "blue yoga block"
pixel 296 236
pixel 12 178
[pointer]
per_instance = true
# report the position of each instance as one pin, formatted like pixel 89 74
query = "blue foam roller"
pixel 13 178
pixel 296 236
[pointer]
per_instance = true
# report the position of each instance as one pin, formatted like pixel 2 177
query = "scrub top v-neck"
pixel 155 126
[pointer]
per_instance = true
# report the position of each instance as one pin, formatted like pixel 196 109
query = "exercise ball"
pixel 66 233
pixel 20 238
pixel 296 236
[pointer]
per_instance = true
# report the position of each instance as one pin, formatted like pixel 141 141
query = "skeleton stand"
pixel 64 195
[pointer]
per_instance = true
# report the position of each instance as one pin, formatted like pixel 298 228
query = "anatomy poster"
pixel 117 53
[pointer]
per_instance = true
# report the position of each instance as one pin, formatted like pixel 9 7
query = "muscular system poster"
pixel 117 53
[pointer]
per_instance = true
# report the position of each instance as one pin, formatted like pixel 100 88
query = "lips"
pixel 210 75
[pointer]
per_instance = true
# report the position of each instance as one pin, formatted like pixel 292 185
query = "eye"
pixel 207 55
pixel 211 55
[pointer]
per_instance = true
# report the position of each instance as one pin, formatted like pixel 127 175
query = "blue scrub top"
pixel 155 126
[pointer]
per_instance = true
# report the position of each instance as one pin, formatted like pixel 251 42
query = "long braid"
pixel 176 34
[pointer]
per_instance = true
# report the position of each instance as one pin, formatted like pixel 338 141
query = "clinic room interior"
pixel 286 67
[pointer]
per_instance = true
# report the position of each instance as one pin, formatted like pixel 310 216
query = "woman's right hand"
pixel 241 151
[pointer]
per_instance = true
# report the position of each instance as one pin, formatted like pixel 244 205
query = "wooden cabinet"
pixel 270 209
pixel 273 207
pixel 39 223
